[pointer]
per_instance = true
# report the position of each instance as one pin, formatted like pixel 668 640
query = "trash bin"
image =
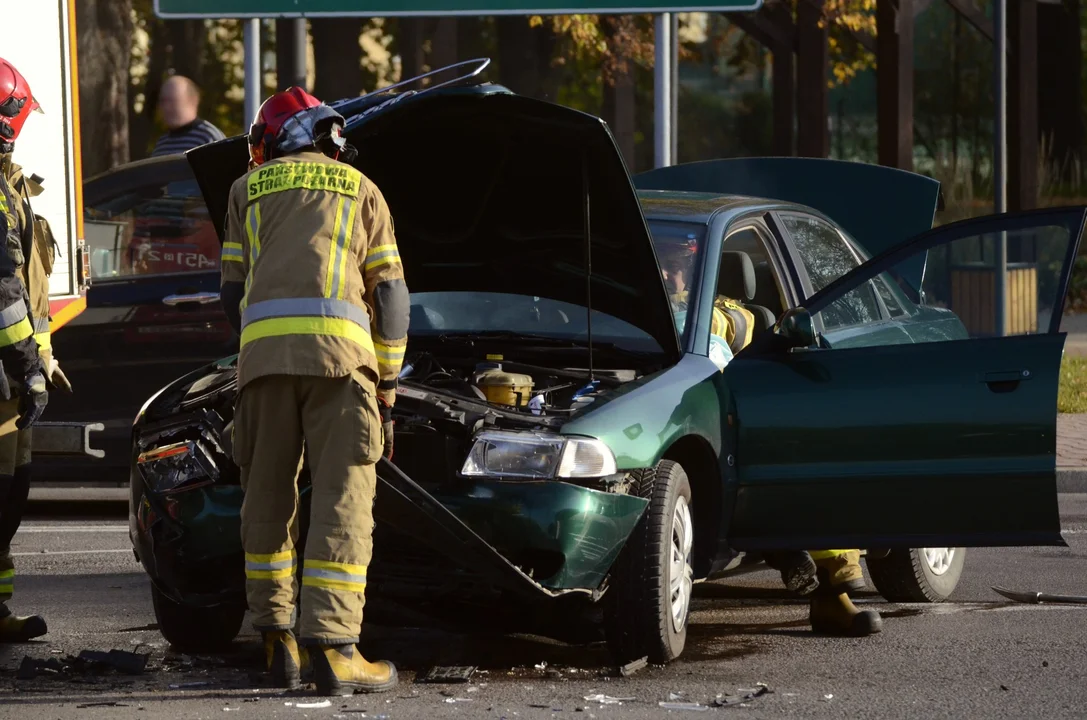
pixel 973 298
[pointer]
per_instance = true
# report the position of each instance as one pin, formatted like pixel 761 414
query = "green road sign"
pixel 394 8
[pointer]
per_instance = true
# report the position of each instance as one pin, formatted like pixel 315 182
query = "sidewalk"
pixel 1072 453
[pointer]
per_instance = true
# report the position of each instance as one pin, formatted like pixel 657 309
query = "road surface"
pixel 978 656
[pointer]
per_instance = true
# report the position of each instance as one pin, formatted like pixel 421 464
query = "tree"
pixel 337 68
pixel 104 39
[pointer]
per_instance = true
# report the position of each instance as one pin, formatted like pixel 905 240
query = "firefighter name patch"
pixel 340 179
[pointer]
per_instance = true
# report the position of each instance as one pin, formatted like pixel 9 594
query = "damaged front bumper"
pixel 479 543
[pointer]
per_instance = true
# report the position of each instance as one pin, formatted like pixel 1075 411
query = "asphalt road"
pixel 978 656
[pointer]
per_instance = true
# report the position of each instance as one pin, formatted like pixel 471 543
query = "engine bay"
pixel 443 401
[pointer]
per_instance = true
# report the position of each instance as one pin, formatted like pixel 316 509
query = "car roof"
pixel 701 207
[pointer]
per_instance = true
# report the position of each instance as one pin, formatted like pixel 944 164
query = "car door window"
pixel 157 229
pixel 826 257
pixel 1019 262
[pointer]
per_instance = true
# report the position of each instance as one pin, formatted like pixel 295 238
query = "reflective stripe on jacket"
pixel 312 240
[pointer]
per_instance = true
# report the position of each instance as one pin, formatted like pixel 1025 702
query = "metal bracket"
pixel 65 438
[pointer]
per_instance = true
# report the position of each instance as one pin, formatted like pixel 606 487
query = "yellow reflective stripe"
pixel 333 249
pixel 232 252
pixel 44 340
pixel 7 581
pixel 337 178
pixel 344 247
pixel 336 567
pixel 16 333
pixel 336 327
pixel 334 584
pixel 7 574
pixel 273 557
pixel 381 255
pixel 269 574
pixel 826 554
pixel 252 231
pixel 389 355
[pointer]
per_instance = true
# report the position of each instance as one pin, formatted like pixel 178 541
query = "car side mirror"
pixel 797 328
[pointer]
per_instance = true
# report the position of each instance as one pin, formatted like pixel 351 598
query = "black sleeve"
pixel 231 296
pixel 18 348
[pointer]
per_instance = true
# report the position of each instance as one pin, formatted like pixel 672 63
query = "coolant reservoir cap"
pixel 492 356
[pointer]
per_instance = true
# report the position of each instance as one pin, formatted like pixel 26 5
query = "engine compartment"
pixel 444 399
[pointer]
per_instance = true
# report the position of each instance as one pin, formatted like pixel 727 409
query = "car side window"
pixel 954 290
pixel 827 257
pixel 159 229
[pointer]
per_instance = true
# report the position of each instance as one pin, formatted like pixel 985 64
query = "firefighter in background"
pixel 24 327
pixel 826 576
pixel 309 251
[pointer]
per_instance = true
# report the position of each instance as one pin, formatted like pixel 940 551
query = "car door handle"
pixel 203 298
pixel 1001 381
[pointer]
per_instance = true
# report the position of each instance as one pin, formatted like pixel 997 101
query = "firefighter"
pixel 826 576
pixel 312 281
pixel 24 327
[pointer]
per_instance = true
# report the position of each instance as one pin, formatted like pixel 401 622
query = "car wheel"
pixel 649 602
pixel 926 575
pixel 196 629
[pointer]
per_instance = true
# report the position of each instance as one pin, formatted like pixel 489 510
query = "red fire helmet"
pixel 16 102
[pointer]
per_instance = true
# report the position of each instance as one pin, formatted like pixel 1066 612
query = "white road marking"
pixel 49 553
pixel 73 528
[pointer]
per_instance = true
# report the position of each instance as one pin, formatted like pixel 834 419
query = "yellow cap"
pixel 494 357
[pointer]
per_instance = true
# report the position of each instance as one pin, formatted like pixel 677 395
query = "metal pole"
pixel 1000 155
pixel 301 46
pixel 251 39
pixel 674 52
pixel 662 92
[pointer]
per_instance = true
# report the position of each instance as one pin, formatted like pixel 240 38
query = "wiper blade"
pixel 509 335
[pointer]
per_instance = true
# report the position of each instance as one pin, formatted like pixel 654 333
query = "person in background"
pixel 179 103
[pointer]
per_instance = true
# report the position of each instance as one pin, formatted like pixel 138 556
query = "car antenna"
pixel 588 260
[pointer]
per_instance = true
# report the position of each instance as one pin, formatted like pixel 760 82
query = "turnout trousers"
pixel 336 420
pixel 14 490
pixel 843 567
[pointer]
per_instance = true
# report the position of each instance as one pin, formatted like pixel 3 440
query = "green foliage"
pixel 1072 397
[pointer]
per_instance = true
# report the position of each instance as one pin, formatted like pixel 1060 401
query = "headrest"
pixel 737 277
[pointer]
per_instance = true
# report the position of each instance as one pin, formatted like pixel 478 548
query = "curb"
pixel 1072 480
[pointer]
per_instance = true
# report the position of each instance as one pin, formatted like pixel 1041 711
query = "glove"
pixel 32 401
pixel 387 427
pixel 57 377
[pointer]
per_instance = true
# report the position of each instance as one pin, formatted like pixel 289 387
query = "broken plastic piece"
pixel 607 699
pixel 697 707
pixel 447 674
pixel 724 700
pixel 127 662
pixel 312 705
pixel 182 686
pixel 632 667
pixel 1039 597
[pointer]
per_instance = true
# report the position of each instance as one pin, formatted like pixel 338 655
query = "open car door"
pixel 942 437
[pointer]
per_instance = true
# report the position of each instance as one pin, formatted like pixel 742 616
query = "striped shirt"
pixel 196 133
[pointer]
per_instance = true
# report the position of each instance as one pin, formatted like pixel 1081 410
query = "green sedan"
pixel 575 449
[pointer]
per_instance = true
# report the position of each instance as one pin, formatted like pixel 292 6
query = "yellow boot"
pixel 283 659
pixel 831 610
pixel 341 670
pixel 20 629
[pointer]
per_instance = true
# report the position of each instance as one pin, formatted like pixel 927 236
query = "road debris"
pixel 88 662
pixel 310 706
pixel 452 700
pixel 1039 597
pixel 746 696
pixel 607 699
pixel 697 707
pixel 632 667
pixel 828 697
pixel 187 685
pixel 111 703
pixel 447 674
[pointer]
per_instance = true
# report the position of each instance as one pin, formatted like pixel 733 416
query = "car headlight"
pixel 181 466
pixel 537 456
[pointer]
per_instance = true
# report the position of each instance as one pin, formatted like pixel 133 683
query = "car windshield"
pixel 677 245
pixel 466 313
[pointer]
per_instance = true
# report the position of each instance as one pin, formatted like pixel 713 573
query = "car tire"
pixel 917 575
pixel 196 629
pixel 649 603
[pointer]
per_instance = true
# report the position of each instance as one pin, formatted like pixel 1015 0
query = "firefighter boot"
pixel 20 629
pixel 833 613
pixel 284 661
pixel 798 571
pixel 341 670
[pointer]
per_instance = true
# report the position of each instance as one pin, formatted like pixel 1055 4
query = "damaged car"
pixel 575 449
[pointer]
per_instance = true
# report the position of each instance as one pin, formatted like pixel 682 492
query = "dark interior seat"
pixel 737 281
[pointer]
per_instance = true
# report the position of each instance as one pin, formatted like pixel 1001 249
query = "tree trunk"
pixel 105 42
pixel 409 40
pixel 443 46
pixel 618 106
pixel 188 43
pixel 1060 97
pixel 524 57
pixel 337 58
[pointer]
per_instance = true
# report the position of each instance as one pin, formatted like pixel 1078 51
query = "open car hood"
pixel 486 191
